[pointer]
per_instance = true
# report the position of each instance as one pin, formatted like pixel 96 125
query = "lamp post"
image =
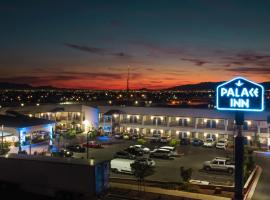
pixel 86 123
pixel 2 136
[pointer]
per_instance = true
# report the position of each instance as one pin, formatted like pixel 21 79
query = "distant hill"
pixel 4 85
pixel 17 86
pixel 197 87
pixel 207 86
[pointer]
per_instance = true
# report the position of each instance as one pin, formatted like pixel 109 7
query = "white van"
pixel 121 165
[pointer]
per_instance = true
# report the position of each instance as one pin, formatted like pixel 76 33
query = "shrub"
pixel 141 141
pixel 174 142
pixel 185 173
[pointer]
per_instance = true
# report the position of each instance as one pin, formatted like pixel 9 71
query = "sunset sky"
pixel 90 44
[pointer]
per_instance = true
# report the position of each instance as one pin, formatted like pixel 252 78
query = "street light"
pixel 86 124
pixel 2 136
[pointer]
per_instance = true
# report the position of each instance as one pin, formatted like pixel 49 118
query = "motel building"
pixel 182 123
pixel 80 117
pixel 23 130
pixel 148 121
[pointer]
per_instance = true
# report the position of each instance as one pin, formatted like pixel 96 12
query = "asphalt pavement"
pixel 262 191
pixel 169 170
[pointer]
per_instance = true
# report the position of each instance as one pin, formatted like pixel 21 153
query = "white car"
pixel 143 148
pixel 165 139
pixel 209 142
pixel 222 144
pixel 121 165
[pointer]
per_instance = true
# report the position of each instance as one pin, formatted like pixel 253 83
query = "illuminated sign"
pixel 240 94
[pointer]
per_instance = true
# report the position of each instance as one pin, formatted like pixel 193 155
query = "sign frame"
pixel 240 109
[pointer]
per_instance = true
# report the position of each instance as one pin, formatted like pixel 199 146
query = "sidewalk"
pixel 169 192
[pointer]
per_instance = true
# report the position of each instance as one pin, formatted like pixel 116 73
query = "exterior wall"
pixel 210 123
pixel 90 117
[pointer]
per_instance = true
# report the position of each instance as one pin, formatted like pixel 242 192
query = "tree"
pixel 185 173
pixel 141 171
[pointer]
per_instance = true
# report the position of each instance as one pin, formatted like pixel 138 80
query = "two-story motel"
pixel 146 121
pixel 182 122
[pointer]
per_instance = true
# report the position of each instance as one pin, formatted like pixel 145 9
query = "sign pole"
pixel 239 156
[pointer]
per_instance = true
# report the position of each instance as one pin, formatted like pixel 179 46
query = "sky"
pixel 91 44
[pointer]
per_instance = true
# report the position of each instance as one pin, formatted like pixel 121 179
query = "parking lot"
pixel 169 170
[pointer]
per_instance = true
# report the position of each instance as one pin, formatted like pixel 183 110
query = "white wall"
pixel 91 116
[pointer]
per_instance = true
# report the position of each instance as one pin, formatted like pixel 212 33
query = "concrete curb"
pixel 188 195
pixel 252 188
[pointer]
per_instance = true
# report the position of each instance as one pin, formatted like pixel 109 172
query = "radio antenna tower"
pixel 128 80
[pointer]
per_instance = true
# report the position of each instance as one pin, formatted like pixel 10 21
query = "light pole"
pixel 239 156
pixel 2 137
pixel 86 124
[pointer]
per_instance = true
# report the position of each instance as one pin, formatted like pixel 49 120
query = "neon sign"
pixel 240 94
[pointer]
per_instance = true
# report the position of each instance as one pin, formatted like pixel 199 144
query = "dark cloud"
pixel 248 58
pixel 89 49
pixel 198 62
pixel 250 70
pixel 156 48
pixel 97 51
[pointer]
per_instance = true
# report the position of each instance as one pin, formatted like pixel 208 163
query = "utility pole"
pixel 127 89
pixel 239 156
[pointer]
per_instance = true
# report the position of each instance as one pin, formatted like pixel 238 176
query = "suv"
pixel 220 164
pixel 161 153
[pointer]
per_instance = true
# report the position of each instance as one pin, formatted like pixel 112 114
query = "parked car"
pixel 161 153
pixel 147 161
pixel 118 136
pixel 165 139
pixel 62 153
pixel 222 144
pixel 220 164
pixel 209 142
pixel 134 151
pixel 184 141
pixel 76 148
pixel 121 165
pixel 143 148
pixel 155 138
pixel 92 144
pixel 197 142
pixel 124 155
pixel 134 137
pixel 171 149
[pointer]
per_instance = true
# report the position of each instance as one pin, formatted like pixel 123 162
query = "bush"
pixel 174 142
pixel 70 134
pixel 141 141
pixel 185 174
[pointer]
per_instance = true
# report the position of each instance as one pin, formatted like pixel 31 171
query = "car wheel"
pixel 207 168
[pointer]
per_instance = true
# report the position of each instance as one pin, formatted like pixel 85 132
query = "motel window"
pixel 214 124
pixel 208 124
pixel 185 122
pixel 245 126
